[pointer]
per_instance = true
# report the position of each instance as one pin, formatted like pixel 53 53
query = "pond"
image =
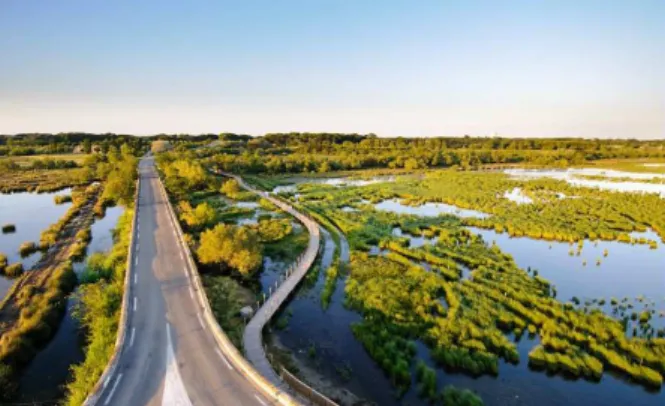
pixel 517 195
pixel 43 379
pixel 575 177
pixel 631 271
pixel 328 331
pixel 31 213
pixel 427 209
pixel 339 182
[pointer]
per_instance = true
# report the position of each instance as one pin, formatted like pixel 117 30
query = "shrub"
pixel 8 228
pixel 452 396
pixel 27 248
pixel 62 199
pixel 14 270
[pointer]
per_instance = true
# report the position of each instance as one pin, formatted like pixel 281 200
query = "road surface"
pixel 170 357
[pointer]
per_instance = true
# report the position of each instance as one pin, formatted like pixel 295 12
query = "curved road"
pixel 170 357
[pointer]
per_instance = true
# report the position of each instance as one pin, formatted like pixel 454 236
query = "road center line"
pixel 198 316
pixel 136 278
pixel 136 261
pixel 224 358
pixel 135 303
pixel 115 386
pixel 131 339
pixel 260 400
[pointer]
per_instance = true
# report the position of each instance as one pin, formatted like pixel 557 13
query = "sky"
pixel 530 68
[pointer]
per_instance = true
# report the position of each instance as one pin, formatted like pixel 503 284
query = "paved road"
pixel 170 356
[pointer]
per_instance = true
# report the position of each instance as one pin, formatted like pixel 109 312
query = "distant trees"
pixel 231 247
pixel 305 152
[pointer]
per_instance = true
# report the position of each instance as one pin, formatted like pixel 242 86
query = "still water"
pixel 627 271
pixel 31 213
pixel 43 379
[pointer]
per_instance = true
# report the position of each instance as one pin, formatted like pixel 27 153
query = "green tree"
pixel 204 214
pixel 231 246
pixel 230 188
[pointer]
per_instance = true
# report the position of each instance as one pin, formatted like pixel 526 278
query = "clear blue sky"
pixel 411 68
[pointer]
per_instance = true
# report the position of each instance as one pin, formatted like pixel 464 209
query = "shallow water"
pixel 627 271
pixel 329 330
pixel 339 182
pixel 571 176
pixel 32 213
pixel 427 209
pixel 43 379
pixel 517 195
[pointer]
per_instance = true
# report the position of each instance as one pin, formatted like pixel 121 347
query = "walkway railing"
pixel 253 334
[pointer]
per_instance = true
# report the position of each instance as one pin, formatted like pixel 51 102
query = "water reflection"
pixel 339 182
pixel 31 213
pixel 43 379
pixel 427 209
pixel 572 176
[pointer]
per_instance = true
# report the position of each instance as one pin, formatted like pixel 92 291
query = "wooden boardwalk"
pixel 252 338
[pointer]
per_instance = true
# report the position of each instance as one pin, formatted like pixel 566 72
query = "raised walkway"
pixel 252 338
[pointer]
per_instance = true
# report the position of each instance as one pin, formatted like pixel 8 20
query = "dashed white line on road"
pixel 131 338
pixel 260 400
pixel 135 303
pixel 223 358
pixel 198 316
pixel 191 292
pixel 115 386
pixel 136 261
pixel 136 278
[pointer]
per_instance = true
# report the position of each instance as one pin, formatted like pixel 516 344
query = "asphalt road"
pixel 170 356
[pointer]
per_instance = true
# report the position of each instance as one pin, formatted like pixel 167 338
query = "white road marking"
pixel 115 386
pixel 131 338
pixel 191 292
pixel 198 316
pixel 136 261
pixel 182 257
pixel 138 235
pixel 136 278
pixel 223 358
pixel 135 303
pixel 260 400
pixel 174 393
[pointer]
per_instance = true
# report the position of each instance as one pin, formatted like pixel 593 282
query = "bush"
pixel 62 199
pixel 8 228
pixel 14 270
pixel 452 396
pixel 27 248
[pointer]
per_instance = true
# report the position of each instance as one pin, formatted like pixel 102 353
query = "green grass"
pixel 227 297
pixel 99 312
